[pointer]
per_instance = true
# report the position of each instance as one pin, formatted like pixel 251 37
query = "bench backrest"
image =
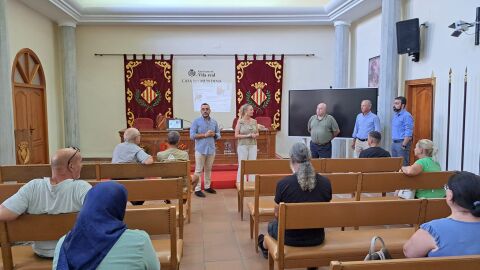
pixel 25 173
pixel 342 183
pixel 133 170
pixel 273 166
pixel 349 214
pixel 391 181
pixel 154 221
pixel 151 189
pixel 333 165
pixel 442 263
pixel 436 208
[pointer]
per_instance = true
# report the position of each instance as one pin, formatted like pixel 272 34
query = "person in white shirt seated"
pixel 61 193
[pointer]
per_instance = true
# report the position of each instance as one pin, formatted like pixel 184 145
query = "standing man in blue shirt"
pixel 366 121
pixel 205 132
pixel 402 130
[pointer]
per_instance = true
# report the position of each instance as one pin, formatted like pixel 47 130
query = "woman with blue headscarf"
pixel 100 239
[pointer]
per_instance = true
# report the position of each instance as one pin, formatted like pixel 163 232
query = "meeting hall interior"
pixel 267 134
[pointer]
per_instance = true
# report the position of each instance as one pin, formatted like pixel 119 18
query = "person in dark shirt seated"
pixel 375 151
pixel 304 185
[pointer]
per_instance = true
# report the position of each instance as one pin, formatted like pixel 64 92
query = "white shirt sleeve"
pixel 18 203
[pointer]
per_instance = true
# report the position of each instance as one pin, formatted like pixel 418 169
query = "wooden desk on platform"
pixel 154 141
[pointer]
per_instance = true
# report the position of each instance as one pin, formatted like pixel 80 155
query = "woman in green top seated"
pixel 425 151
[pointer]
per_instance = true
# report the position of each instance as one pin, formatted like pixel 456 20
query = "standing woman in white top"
pixel 246 132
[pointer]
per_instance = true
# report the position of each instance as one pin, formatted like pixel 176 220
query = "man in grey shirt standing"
pixel 322 128
pixel 61 193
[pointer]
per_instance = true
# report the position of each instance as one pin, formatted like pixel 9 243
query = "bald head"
pixel 366 106
pixel 131 134
pixel 61 157
pixel 321 109
pixel 66 163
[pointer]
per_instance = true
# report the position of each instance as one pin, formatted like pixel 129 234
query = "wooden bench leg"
pixel 256 226
pixel 238 201
pixel 271 262
pixel 241 207
pixel 251 227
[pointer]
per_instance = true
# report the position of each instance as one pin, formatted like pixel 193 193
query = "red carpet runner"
pixel 223 176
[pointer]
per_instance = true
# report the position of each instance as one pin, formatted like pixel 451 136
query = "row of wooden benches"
pixel 354 184
pixel 349 245
pixel 158 222
pixel 327 165
pixel 102 171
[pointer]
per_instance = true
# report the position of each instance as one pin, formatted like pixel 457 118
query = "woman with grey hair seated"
pixel 304 185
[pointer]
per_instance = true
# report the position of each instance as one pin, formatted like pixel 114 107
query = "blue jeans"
pixel 321 151
pixel 398 151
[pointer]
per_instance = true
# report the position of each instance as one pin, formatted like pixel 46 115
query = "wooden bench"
pixel 155 221
pixel 98 171
pixel 471 262
pixel 138 190
pixel 25 173
pixel 263 166
pixel 157 169
pixel 363 165
pixel 262 209
pixel 154 189
pixel 342 245
pixel 391 181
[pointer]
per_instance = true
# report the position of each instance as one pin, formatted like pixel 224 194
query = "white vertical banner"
pixel 198 80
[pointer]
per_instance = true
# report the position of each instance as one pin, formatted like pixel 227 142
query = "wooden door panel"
pixel 21 112
pixel 36 123
pixel 31 133
pixel 420 96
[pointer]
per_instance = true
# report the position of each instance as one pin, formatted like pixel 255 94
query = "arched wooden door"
pixel 30 109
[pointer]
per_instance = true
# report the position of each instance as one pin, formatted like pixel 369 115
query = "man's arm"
pixel 193 130
pixel 7 215
pixel 335 128
pixel 355 130
pixel 308 125
pixel 148 160
pixel 376 124
pixel 408 127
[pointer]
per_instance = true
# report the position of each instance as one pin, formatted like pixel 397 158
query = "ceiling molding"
pixel 66 11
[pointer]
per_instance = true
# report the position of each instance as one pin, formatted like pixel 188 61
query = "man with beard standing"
pixel 402 130
pixel 205 132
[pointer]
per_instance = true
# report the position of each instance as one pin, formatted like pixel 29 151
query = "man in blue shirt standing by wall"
pixel 205 132
pixel 366 121
pixel 402 130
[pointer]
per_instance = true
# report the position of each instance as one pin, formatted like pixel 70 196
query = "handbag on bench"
pixel 382 254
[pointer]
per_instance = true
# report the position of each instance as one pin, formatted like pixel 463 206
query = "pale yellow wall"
pixel 29 29
pixel 101 93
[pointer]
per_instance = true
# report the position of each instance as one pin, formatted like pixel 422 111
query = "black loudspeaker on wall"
pixel 408 38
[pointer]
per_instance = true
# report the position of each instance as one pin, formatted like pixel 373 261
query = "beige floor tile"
pixel 224 252
pixel 224 265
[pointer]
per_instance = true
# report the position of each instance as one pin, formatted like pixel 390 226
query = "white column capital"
pixel 68 23
pixel 341 23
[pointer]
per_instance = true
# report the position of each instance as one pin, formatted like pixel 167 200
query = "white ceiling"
pixel 205 12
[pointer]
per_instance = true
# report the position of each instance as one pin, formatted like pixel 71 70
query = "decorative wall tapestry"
pixel 259 83
pixel 148 87
pixel 373 71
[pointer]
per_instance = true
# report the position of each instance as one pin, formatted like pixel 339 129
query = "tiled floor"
pixel 216 238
